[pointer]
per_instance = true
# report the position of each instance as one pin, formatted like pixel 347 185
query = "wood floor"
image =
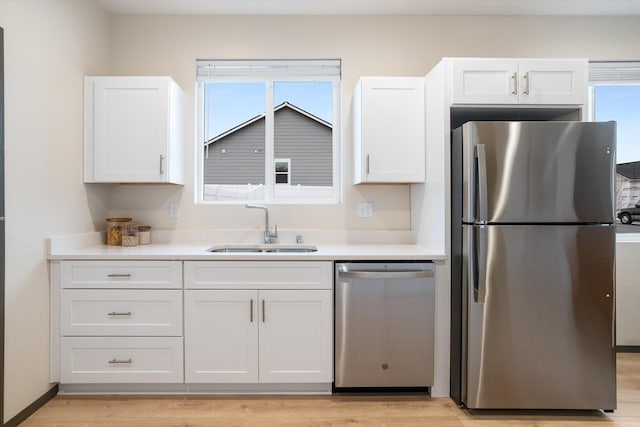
pixel 328 411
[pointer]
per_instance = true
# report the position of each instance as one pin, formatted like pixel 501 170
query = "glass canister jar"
pixel 144 234
pixel 114 230
pixel 130 233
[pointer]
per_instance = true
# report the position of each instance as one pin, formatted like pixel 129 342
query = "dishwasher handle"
pixel 397 274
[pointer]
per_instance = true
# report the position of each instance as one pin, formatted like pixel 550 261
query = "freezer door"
pixel 538 172
pixel 539 324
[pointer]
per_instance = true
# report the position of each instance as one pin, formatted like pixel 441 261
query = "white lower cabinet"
pixel 221 328
pixel 131 326
pixel 296 336
pixel 121 360
pixel 118 322
pixel 259 335
pixel 110 312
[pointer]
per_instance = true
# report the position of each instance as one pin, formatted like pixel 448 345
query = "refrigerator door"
pixel 540 310
pixel 538 172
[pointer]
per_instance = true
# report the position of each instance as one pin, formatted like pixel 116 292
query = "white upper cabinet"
pixel 389 134
pixel 133 130
pixel 519 81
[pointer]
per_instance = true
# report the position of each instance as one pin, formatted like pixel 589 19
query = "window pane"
pixel 303 131
pixel 282 167
pixel 621 103
pixel 234 148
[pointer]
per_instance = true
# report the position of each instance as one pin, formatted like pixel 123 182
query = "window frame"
pixel 328 195
pixel 287 173
pixel 610 73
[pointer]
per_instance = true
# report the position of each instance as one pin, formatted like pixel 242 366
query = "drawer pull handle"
pixel 122 313
pixel 263 312
pixel 251 311
pixel 119 275
pixel 120 361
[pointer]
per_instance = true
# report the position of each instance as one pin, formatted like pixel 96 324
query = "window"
pixel 257 119
pixel 615 95
pixel 282 171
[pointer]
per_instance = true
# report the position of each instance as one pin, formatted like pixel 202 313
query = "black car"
pixel 628 215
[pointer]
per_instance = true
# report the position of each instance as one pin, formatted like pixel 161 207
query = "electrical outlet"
pixel 364 210
pixel 174 210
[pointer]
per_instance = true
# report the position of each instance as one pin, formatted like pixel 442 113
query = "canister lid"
pixel 118 219
pixel 144 227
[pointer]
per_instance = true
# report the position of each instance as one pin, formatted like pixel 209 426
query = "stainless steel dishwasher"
pixel 384 320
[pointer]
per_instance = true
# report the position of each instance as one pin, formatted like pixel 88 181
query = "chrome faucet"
pixel 268 235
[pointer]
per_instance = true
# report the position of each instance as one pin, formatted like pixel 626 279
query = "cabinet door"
pixel 296 336
pixel 553 81
pixel 128 129
pixel 392 130
pixel 484 81
pixel 221 336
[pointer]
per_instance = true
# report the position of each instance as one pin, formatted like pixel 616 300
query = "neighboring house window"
pixel 282 166
pixel 256 119
pixel 614 89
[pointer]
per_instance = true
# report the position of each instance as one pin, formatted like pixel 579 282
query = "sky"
pixel 229 104
pixel 621 104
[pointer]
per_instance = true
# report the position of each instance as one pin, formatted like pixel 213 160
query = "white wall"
pixel 49 46
pixel 627 290
pixel 397 45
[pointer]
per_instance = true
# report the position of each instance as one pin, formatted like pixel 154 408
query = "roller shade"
pixel 220 69
pixel 614 71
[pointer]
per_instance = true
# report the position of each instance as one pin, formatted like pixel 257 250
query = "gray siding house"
pixel 627 184
pixel 302 150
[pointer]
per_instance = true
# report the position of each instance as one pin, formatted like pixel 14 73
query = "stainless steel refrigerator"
pixel 533 250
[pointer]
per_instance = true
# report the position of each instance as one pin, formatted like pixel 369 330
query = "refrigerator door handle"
pixel 482 184
pixel 479 270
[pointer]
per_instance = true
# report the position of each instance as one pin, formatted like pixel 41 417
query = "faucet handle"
pixel 275 232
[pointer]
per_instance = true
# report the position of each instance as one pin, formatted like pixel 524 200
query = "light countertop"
pixel 199 252
pixel 91 246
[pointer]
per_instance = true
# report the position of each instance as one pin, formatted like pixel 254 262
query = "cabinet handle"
pixel 119 275
pixel 122 313
pixel 251 311
pixel 263 313
pixel 367 164
pixel 515 84
pixel 161 164
pixel 113 361
pixel 526 83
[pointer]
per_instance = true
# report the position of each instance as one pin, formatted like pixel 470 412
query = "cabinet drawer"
pixel 121 274
pixel 258 274
pixel 121 312
pixel 121 360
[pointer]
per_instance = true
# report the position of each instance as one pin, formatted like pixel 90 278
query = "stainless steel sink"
pixel 270 248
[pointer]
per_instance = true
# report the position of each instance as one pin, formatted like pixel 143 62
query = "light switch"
pixel 174 210
pixel 364 210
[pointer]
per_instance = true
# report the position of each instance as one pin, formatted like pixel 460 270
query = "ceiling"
pixel 374 7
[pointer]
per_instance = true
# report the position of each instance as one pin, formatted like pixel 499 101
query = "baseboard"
pixel 29 410
pixel 628 349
